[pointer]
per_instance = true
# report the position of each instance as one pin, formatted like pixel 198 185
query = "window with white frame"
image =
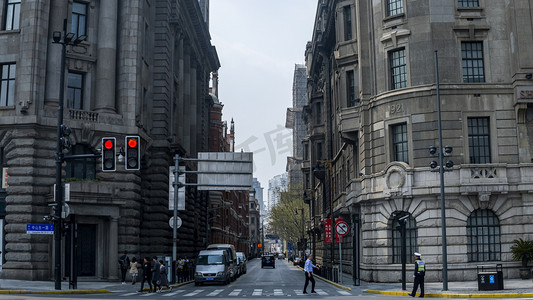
pixel 79 19
pixel 12 15
pixel 400 146
pixel 7 84
pixel 394 7
pixel 472 62
pixel 398 69
pixel 75 90
pixel 468 3
pixel 479 140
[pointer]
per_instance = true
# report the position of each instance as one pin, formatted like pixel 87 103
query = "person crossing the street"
pixel 308 269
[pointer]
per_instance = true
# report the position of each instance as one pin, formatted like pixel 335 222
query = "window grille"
pixel 472 61
pixel 479 140
pixel 483 236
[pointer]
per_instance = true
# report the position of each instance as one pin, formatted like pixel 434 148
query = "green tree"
pixel 286 218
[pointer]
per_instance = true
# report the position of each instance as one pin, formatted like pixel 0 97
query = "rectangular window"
pixel 398 69
pixel 468 3
pixel 479 140
pixel 318 116
pixel 472 55
pixel 75 91
pixel 350 88
pixel 12 17
pixel 394 7
pixel 79 19
pixel 7 84
pixel 400 148
pixel 348 33
pixel 319 151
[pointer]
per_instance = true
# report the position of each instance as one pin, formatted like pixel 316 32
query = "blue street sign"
pixel 39 229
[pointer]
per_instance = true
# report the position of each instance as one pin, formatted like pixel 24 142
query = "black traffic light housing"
pixel 433 164
pixel 109 158
pixel 133 153
pixel 432 150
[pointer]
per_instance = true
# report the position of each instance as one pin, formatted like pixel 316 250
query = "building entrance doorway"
pixel 86 250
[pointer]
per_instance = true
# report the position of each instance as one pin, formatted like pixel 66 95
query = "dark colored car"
pixel 268 260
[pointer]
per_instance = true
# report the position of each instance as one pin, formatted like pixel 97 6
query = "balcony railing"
pixel 76 114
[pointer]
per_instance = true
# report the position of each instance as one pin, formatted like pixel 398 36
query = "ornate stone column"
pixel 113 249
pixel 106 57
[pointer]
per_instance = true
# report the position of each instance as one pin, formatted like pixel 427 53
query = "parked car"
pixel 281 256
pixel 212 266
pixel 268 260
pixel 230 249
pixel 296 261
pixel 241 259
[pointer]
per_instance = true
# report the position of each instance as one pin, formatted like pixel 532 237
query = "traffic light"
pixel 133 153
pixel 109 154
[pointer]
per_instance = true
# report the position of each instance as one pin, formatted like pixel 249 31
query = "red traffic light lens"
pixel 132 143
pixel 108 144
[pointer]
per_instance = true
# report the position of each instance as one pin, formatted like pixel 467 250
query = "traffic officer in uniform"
pixel 420 272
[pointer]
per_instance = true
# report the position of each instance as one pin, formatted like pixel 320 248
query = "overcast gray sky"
pixel 258 43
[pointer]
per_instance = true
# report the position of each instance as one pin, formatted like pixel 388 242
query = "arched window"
pixel 411 235
pixel 483 236
pixel 82 168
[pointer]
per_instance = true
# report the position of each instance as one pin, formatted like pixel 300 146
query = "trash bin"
pixel 490 277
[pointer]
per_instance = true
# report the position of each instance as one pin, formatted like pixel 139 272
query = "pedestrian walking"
pixel 308 269
pixel 155 273
pixel 163 273
pixel 147 274
pixel 420 272
pixel 134 270
pixel 124 264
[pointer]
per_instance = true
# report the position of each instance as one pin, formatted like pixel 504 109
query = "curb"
pixel 329 281
pixel 72 292
pixel 440 295
pixel 55 292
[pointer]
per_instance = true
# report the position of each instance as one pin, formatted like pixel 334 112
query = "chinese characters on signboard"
pixel 327 228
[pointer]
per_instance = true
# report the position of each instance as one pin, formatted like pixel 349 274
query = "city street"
pixel 284 281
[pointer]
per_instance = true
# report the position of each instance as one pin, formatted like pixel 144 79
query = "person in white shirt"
pixel 308 269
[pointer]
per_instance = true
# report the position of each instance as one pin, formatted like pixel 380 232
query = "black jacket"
pixel 147 270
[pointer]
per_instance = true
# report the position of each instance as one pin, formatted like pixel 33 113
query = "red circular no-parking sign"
pixel 341 228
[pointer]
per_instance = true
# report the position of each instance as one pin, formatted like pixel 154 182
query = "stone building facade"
pixel 143 70
pixel 372 116
pixel 295 121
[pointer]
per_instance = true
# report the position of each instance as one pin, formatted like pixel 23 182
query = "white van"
pixel 212 266
pixel 230 249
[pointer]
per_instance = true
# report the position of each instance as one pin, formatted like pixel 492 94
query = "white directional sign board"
pixel 181 191
pixel 225 170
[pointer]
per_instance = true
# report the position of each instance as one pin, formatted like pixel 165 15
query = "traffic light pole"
pixel 442 194
pixel 58 205
pixel 175 223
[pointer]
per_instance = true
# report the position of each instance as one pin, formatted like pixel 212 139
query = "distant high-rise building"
pixel 256 185
pixel 296 122
pixel 276 186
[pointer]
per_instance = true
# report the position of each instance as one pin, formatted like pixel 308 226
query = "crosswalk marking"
pixel 214 293
pixel 196 292
pixel 257 292
pixel 345 293
pixel 235 292
pixel 298 292
pixel 173 293
pixel 321 292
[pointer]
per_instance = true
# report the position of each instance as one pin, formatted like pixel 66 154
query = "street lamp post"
pixel 64 40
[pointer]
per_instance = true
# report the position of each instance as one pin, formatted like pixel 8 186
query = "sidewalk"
pixel 513 288
pixel 9 286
